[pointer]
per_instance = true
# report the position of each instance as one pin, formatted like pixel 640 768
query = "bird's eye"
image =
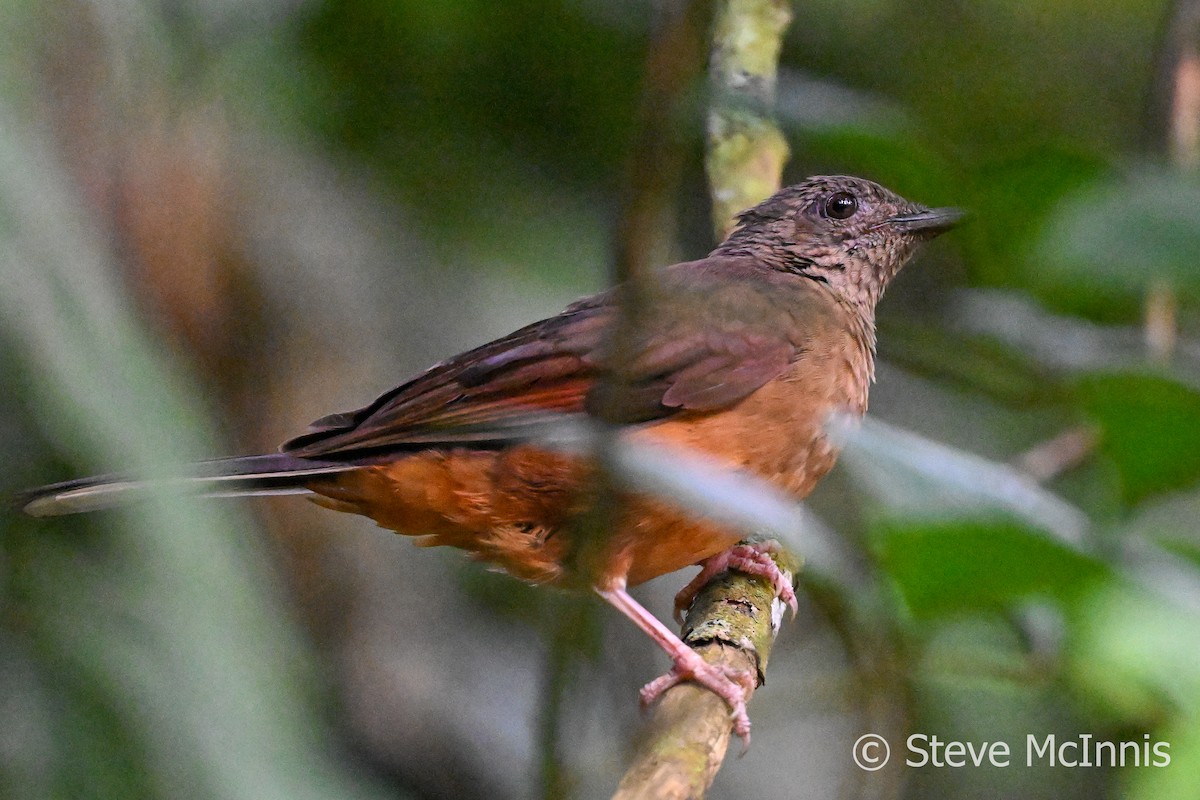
pixel 840 205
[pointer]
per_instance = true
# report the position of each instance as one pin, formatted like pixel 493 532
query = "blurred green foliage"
pixel 1123 234
pixel 1150 428
pixel 152 653
pixel 960 567
pixel 146 664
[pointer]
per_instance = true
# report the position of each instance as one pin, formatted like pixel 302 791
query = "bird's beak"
pixel 930 222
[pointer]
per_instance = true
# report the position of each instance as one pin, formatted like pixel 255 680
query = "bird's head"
pixel 849 233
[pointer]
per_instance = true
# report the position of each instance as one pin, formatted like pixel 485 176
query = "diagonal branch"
pixel 733 622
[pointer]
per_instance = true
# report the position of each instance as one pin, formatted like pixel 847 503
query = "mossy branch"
pixel 746 151
pixel 735 618
pixel 733 622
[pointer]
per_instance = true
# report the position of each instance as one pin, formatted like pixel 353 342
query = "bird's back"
pixel 513 505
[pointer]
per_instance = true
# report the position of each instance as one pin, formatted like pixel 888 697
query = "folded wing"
pixel 497 393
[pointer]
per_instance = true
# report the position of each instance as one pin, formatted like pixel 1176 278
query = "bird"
pixel 739 356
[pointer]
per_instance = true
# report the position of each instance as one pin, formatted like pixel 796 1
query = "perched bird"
pixel 739 356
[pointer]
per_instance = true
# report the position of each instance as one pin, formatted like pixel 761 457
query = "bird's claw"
pixel 752 559
pixel 731 685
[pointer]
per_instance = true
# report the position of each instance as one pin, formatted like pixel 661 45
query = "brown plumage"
pixel 741 356
pixel 740 362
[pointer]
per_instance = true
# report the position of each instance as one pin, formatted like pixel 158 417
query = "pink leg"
pixel 728 684
pixel 752 559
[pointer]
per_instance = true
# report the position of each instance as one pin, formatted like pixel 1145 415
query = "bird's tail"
pixel 240 476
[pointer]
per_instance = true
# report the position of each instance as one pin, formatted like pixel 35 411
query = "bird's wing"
pixel 693 356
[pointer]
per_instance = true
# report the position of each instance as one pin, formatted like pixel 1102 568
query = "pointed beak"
pixel 930 222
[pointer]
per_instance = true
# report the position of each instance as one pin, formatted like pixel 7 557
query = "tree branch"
pixel 735 618
pixel 746 151
pixel 733 622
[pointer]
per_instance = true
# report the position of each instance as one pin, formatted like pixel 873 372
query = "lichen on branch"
pixel 746 151
pixel 733 622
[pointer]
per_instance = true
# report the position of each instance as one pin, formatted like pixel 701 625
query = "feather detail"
pixel 227 477
pixel 711 345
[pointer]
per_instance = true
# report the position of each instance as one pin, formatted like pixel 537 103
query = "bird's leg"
pixel 728 684
pixel 752 558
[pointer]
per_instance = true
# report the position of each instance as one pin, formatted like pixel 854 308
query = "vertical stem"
pixel 1160 330
pixel 673 72
pixel 1178 86
pixel 572 628
pixel 688 734
pixel 1178 118
pixel 674 65
pixel 746 151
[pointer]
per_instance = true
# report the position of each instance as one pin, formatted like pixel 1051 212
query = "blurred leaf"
pixel 168 662
pixel 1057 342
pixel 1180 779
pixel 913 475
pixel 977 681
pixel 697 482
pixel 973 363
pixel 1170 523
pixel 1120 235
pixel 1137 653
pixel 1009 201
pixel 1137 656
pixel 1150 429
pixel 811 103
pixel 1184 550
pixel 953 566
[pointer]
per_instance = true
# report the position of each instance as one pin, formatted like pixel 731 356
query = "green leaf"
pixel 1122 234
pixel 1150 430
pixel 1136 653
pixel 1137 650
pixel 951 566
pixel 917 477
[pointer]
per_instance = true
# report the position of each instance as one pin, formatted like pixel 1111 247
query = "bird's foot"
pixel 731 685
pixel 752 559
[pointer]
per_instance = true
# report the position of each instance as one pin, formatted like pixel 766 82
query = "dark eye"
pixel 840 205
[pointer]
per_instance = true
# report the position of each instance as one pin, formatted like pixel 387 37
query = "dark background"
pixel 219 221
